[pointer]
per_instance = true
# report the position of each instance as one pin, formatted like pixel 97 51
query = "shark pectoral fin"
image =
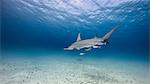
pixel 95 46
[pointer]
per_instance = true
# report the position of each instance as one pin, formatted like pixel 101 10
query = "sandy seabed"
pixel 71 70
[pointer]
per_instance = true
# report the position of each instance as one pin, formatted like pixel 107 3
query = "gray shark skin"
pixel 88 44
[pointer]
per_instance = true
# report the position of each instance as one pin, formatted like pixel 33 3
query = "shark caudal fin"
pixel 108 35
pixel 78 38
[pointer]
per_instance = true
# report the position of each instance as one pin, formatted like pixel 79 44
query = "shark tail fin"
pixel 78 38
pixel 108 35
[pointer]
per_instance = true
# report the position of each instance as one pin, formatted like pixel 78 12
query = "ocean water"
pixel 53 25
pixel 32 29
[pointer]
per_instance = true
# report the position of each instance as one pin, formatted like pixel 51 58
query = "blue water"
pixel 46 26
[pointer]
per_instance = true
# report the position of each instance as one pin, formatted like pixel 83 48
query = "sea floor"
pixel 60 69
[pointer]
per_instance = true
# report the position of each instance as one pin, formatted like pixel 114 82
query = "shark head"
pixel 69 48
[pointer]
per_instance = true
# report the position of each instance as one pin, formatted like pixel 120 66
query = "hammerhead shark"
pixel 88 44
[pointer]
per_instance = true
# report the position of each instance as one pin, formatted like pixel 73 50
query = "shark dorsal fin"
pixel 78 38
